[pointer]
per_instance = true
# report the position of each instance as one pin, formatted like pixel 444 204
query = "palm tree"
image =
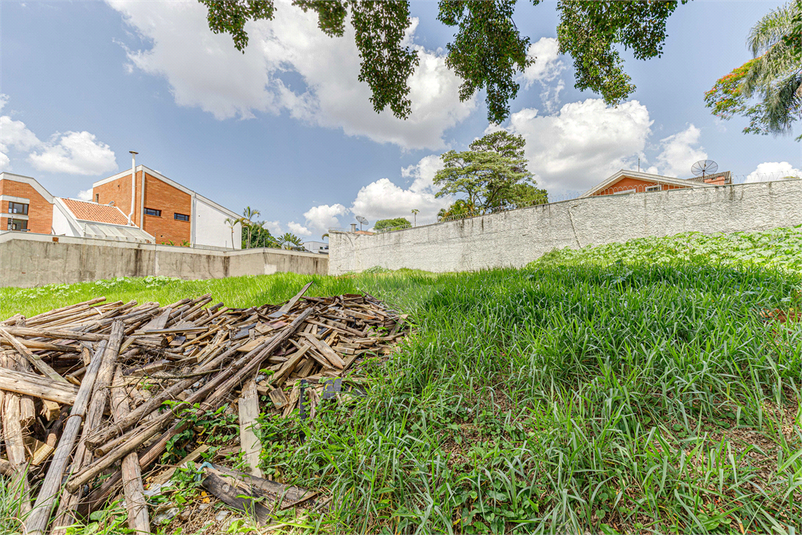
pixel 415 217
pixel 774 77
pixel 232 222
pixel 290 240
pixel 247 219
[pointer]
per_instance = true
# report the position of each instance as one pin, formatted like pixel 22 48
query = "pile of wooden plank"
pixel 83 389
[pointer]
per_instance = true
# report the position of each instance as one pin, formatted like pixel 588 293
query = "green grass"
pixel 635 388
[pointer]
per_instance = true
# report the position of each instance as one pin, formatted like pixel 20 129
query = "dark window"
pixel 97 198
pixel 17 224
pixel 151 211
pixel 182 217
pixel 17 208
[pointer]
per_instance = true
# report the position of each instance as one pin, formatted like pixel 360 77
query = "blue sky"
pixel 287 129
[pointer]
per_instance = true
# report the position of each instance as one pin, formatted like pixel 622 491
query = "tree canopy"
pixel 395 223
pixel 488 50
pixel 768 88
pixel 492 174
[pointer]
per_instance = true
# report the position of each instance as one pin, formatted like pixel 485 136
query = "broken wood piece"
pixel 35 360
pixel 325 350
pixel 29 384
pixel 135 504
pixel 278 398
pixel 248 405
pixel 37 520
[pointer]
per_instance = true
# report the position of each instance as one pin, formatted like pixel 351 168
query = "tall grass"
pixel 609 395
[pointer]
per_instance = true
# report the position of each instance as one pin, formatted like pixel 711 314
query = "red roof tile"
pixel 100 213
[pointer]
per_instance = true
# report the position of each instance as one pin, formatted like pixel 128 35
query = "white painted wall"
pixel 515 238
pixel 61 223
pixel 211 228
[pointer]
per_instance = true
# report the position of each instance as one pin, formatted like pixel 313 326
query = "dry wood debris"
pixel 83 388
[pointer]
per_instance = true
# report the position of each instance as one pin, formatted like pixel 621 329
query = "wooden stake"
pixel 36 523
pixel 135 503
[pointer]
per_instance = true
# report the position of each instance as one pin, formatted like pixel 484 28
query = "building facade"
pixel 638 182
pixel 171 213
pixel 25 205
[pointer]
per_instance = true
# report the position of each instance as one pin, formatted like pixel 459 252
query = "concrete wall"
pixel 28 260
pixel 518 237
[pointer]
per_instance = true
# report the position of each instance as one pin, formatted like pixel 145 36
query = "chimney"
pixel 133 184
pixel 353 227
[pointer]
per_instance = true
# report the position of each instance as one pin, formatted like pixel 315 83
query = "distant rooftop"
pixel 99 213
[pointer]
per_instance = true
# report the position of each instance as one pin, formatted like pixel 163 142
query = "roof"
pixel 98 213
pixel 660 179
pixel 92 220
pixel 171 182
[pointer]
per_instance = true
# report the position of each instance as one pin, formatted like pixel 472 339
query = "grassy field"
pixel 628 388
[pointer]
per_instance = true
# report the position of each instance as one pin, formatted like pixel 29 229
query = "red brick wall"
pixel 633 183
pixel 159 196
pixel 119 191
pixel 40 212
pixel 170 200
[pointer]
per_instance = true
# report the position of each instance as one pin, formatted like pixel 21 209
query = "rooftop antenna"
pixel 362 221
pixel 704 167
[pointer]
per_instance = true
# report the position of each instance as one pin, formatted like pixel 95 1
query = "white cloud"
pixel 547 68
pixel 274 227
pixel 322 218
pixel 679 152
pixel 382 199
pixel 583 143
pixel 13 135
pixel 76 153
pixel 86 195
pixel 298 229
pixel 767 171
pixel 205 70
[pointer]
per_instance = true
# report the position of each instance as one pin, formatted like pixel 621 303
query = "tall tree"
pixel 488 51
pixel 492 174
pixel 396 223
pixel 290 241
pixel 247 221
pixel 767 89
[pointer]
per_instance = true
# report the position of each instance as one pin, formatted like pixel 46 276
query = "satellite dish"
pixel 704 167
pixel 362 221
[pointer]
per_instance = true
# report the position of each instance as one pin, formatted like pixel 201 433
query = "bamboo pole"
pixel 36 523
pixel 94 416
pixel 135 504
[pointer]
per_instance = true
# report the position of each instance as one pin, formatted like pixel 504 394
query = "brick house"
pixel 168 211
pixel 638 182
pixel 25 205
pixel 86 219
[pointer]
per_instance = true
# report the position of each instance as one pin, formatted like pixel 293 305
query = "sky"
pixel 287 129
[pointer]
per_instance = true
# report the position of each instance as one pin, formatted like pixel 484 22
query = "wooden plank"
pixel 278 398
pixel 29 384
pixel 248 412
pixel 291 303
pixel 326 350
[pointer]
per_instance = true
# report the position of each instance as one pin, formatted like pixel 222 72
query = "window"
pixel 653 188
pixel 18 224
pixel 97 198
pixel 181 217
pixel 151 211
pixel 17 208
